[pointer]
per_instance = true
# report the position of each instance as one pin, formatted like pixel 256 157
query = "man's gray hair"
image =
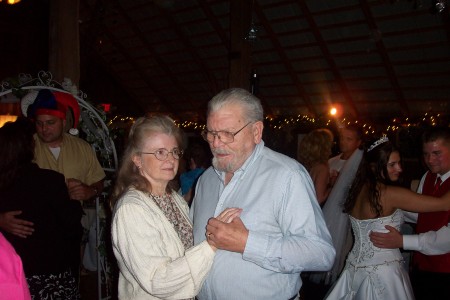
pixel 253 110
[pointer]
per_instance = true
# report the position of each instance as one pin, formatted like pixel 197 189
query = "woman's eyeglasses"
pixel 163 153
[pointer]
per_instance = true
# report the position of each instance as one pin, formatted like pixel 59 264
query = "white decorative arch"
pixel 92 124
pixel 92 121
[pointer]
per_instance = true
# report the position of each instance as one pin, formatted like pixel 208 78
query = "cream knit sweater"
pixel 152 261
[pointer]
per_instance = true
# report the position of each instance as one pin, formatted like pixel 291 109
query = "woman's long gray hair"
pixel 144 128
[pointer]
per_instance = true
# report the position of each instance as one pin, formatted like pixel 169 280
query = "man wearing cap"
pixel 58 151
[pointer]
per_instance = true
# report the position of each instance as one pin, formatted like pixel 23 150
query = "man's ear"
pixel 257 130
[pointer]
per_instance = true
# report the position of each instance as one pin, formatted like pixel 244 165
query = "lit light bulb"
pixel 333 111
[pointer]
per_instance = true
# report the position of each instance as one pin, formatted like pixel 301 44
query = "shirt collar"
pixel 445 176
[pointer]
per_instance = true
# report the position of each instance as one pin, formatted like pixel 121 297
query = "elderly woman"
pixel 314 151
pixel 151 230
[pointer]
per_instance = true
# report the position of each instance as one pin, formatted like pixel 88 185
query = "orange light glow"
pixel 333 111
pixel 7 118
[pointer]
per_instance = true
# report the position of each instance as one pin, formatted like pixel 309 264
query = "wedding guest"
pixel 431 261
pixel 41 196
pixel 314 152
pixel 343 168
pixel 61 151
pixel 13 284
pixel 199 159
pixel 374 201
pixel 281 232
pixel 151 231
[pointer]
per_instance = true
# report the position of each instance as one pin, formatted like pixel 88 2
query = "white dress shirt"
pixel 287 232
pixel 431 242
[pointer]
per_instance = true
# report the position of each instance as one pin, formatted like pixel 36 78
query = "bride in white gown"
pixel 374 202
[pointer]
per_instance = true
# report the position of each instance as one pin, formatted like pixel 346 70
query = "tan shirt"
pixel 76 159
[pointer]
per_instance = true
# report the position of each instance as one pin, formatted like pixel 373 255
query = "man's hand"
pixel 80 191
pixel 390 240
pixel 16 226
pixel 227 236
pixel 226 216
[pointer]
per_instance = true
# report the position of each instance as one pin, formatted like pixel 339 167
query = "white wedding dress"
pixel 372 273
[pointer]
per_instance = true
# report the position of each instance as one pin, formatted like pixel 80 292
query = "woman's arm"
pixel 321 178
pixel 145 246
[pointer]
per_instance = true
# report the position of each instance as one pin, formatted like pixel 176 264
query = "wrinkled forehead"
pixel 229 114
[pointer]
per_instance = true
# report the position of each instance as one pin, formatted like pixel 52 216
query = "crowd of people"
pixel 246 223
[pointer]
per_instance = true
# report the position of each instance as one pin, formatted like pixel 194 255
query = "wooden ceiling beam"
pixel 328 57
pixel 284 59
pixel 365 7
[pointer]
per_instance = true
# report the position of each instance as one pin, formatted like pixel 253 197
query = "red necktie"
pixel 437 185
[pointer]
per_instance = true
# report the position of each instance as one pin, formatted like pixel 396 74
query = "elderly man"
pixel 281 231
pixel 431 262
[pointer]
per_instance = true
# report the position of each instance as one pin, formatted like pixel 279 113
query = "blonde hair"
pixel 315 147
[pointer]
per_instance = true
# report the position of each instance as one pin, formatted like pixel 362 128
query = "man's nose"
pixel 217 142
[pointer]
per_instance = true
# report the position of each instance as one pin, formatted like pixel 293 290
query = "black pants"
pixel 430 285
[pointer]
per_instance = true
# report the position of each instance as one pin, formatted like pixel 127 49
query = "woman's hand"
pixel 226 217
pixel 229 214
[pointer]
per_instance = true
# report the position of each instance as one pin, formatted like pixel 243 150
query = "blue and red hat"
pixel 54 103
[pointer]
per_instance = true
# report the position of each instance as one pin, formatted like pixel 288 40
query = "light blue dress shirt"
pixel 287 232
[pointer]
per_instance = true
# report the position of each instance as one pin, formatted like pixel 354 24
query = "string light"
pixel 307 122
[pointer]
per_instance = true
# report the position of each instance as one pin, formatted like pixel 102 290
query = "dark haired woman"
pixel 375 201
pixel 41 196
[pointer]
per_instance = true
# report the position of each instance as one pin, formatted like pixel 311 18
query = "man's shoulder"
pixel 208 173
pixel 74 142
pixel 278 161
pixel 41 176
pixel 334 158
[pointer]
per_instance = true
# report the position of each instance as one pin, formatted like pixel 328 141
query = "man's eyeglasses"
pixel 163 153
pixel 225 137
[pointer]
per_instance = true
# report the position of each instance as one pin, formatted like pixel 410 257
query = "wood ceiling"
pixel 376 59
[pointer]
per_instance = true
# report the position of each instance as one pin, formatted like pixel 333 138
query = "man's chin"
pixel 220 165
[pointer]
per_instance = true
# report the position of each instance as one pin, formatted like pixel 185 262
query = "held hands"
pixel 79 191
pixel 16 226
pixel 230 235
pixel 226 216
pixel 390 240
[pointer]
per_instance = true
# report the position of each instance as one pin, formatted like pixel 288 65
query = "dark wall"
pixel 24 38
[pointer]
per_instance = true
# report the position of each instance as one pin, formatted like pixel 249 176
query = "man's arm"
pixel 81 191
pixel 16 226
pixel 302 230
pixel 428 243
pixel 232 236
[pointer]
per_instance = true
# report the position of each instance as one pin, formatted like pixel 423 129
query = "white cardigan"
pixel 151 257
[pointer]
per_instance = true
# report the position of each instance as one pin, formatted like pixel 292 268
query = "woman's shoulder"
pixel 42 175
pixel 321 167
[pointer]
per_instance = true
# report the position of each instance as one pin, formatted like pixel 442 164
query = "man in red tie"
pixel 431 261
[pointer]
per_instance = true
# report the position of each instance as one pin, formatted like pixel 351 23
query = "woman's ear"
pixel 137 160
